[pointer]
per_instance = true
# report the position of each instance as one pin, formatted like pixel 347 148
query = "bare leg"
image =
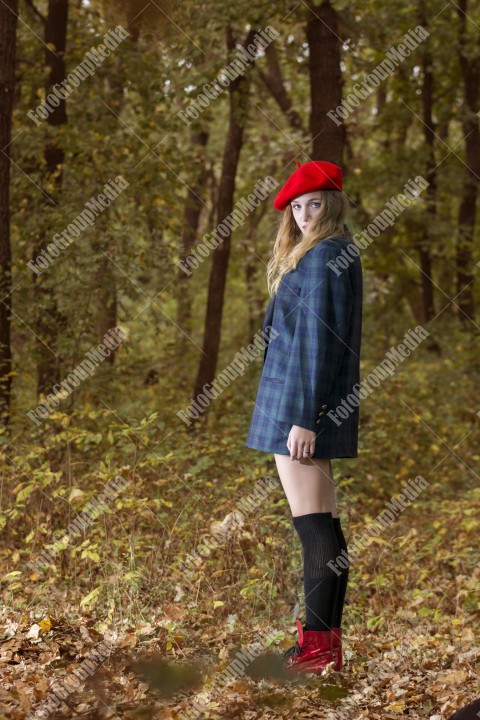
pixel 308 484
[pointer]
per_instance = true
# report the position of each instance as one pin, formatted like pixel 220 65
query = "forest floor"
pixel 411 647
pixel 121 624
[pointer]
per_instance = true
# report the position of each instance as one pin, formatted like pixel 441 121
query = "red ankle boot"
pixel 311 653
pixel 337 648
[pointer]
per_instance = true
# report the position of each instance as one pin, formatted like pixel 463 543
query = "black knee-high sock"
pixel 343 578
pixel 320 546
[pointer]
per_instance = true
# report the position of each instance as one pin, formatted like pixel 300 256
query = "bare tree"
pixel 8 27
pixel 49 320
pixel 470 69
pixel 324 44
pixel 239 91
pixel 191 218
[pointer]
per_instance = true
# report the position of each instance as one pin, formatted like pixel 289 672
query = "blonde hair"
pixel 291 244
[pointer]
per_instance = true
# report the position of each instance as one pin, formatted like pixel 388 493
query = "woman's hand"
pixel 301 443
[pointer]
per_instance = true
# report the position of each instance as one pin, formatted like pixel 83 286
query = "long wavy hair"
pixel 291 244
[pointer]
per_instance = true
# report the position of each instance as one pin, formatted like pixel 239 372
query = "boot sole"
pixel 310 666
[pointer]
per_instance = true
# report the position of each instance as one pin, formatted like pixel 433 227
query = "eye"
pixel 316 203
pixel 295 206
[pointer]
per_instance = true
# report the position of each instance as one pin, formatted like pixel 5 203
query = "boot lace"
pixel 294 652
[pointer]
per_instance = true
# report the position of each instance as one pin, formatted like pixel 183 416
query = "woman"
pixel 311 364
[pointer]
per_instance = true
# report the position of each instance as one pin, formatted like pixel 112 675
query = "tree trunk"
pixel 8 27
pixel 470 69
pixel 191 218
pixel 424 242
pixel 255 304
pixel 49 320
pixel 325 82
pixel 239 91
pixel 103 240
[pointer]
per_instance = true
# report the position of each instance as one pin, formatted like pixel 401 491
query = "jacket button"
pixel 321 413
pixel 319 421
pixel 324 407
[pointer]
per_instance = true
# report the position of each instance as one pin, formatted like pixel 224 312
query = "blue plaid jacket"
pixel 313 363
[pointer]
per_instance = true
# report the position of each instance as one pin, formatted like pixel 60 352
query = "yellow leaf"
pixel 90 597
pixel 11 575
pixel 45 624
pixel 75 493
pixel 25 492
pixel 379 541
pixel 218 603
pixel 398 706
pixel 454 677
pixel 131 575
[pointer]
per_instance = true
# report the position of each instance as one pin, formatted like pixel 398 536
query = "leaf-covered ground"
pixel 119 623
pixel 419 658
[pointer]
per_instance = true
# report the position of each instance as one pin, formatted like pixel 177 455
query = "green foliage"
pixel 126 569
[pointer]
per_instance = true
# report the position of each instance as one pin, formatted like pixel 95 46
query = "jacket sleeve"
pixel 319 341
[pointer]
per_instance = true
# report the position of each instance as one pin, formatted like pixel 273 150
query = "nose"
pixel 305 214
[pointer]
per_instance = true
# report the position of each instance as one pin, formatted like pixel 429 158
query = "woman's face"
pixel 305 208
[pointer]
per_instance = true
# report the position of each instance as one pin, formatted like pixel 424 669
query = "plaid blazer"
pixel 312 365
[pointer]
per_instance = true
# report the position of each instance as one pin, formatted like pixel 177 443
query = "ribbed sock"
pixel 320 546
pixel 343 578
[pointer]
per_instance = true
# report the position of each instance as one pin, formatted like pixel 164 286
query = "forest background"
pixel 130 133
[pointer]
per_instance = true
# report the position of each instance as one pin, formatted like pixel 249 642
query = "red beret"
pixel 313 175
